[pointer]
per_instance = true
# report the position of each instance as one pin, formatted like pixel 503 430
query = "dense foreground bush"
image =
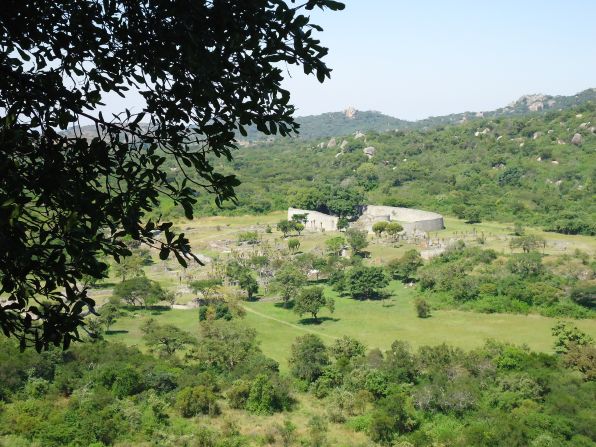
pixel 100 394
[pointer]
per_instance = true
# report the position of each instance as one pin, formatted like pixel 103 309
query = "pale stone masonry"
pixel 414 221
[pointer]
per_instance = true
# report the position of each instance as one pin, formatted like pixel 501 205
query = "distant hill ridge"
pixel 350 121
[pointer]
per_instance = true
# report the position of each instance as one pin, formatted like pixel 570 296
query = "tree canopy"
pixel 204 70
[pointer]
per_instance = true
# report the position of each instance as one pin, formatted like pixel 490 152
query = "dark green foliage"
pixel 225 345
pixel 365 282
pixel 472 278
pixel 422 308
pixel 346 349
pixel 526 264
pixel 89 190
pixel 308 358
pixel 248 283
pixel 218 311
pixel 465 172
pixel 238 394
pixel 395 415
pixel 584 294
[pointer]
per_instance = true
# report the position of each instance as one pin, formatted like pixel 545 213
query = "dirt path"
pixel 295 326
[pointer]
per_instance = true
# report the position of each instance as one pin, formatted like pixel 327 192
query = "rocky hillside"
pixel 351 120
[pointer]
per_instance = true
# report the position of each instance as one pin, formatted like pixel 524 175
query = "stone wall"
pixel 414 221
pixel 316 221
pixel 411 219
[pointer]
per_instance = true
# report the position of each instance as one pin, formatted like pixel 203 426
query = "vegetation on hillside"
pixel 103 393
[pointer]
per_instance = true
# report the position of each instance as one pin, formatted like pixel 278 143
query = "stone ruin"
pixel 412 220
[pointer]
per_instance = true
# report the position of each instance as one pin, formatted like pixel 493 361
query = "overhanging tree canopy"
pixel 205 69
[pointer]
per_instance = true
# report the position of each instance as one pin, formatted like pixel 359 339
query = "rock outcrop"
pixel 577 139
pixel 369 151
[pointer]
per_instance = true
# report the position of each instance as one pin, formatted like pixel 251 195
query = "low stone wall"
pixel 316 221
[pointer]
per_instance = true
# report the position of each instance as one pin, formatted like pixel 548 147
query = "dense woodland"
pixel 102 393
pixel 511 169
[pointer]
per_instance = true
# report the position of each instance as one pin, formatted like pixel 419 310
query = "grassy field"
pixel 375 323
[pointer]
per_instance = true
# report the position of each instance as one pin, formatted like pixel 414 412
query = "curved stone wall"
pixel 412 220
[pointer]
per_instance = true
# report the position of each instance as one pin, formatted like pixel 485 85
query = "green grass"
pixel 374 323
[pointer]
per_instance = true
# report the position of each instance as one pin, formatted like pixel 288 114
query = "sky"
pixel 420 58
pixel 414 59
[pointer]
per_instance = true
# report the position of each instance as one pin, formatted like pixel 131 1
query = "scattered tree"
pixel 357 240
pixel 379 227
pixel 311 300
pixel 288 281
pixel 108 314
pixel 365 282
pixel 129 266
pixel 138 291
pixel 342 223
pixel 335 245
pixel 208 288
pixel 248 283
pixel 393 229
pixel 528 243
pixel 405 268
pixel 165 339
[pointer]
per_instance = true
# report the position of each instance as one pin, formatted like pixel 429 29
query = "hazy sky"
pixel 419 58
pixel 413 59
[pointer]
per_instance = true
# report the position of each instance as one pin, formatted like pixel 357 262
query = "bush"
pixel 422 308
pixel 268 395
pixel 308 358
pixel 584 294
pixel 238 394
pixel 192 401
pixel 127 382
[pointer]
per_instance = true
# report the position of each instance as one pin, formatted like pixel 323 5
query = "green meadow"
pixel 375 323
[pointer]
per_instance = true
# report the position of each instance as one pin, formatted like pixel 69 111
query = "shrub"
pixel 192 401
pixel 127 382
pixel 584 294
pixel 238 394
pixel 308 358
pixel 422 308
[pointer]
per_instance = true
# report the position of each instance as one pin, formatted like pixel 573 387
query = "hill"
pixel 536 169
pixel 351 120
